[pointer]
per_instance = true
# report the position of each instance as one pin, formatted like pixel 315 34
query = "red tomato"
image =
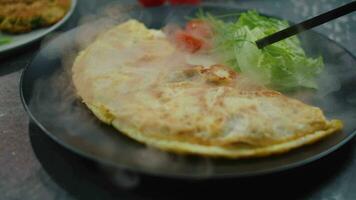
pixel 187 41
pixel 199 28
pixel 151 3
pixel 176 2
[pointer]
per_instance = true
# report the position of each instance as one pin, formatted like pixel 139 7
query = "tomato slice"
pixel 152 3
pixel 177 2
pixel 188 42
pixel 197 35
pixel 199 28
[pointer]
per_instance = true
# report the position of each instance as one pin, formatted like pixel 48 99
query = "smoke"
pixel 334 95
pixel 55 104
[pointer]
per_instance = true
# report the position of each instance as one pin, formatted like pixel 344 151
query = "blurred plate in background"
pixel 19 40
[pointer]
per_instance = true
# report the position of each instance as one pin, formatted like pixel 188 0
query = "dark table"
pixel 32 166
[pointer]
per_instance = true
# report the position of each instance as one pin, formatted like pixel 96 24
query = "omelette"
pixel 138 81
pixel 19 16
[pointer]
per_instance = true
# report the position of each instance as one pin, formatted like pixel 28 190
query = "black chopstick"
pixel 305 25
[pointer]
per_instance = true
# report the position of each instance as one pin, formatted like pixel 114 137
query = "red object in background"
pixel 199 28
pixel 152 3
pixel 197 35
pixel 177 2
pixel 188 42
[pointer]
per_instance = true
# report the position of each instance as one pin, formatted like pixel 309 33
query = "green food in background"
pixel 4 40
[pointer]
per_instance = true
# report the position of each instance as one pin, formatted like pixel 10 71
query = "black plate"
pixel 48 96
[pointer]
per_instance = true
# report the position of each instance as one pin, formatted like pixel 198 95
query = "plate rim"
pixel 46 31
pixel 153 173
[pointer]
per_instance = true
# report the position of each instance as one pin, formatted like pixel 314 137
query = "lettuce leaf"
pixel 282 65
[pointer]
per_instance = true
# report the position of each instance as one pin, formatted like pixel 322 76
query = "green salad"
pixel 282 65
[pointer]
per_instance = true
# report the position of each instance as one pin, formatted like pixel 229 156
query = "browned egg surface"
pixel 135 79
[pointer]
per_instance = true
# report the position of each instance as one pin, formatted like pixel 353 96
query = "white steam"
pixel 56 105
pixel 54 99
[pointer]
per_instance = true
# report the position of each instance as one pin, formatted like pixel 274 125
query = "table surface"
pixel 32 166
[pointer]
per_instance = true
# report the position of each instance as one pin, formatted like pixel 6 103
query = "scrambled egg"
pixel 19 16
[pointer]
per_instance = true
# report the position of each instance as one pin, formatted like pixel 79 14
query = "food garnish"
pixel 282 66
pixel 5 40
